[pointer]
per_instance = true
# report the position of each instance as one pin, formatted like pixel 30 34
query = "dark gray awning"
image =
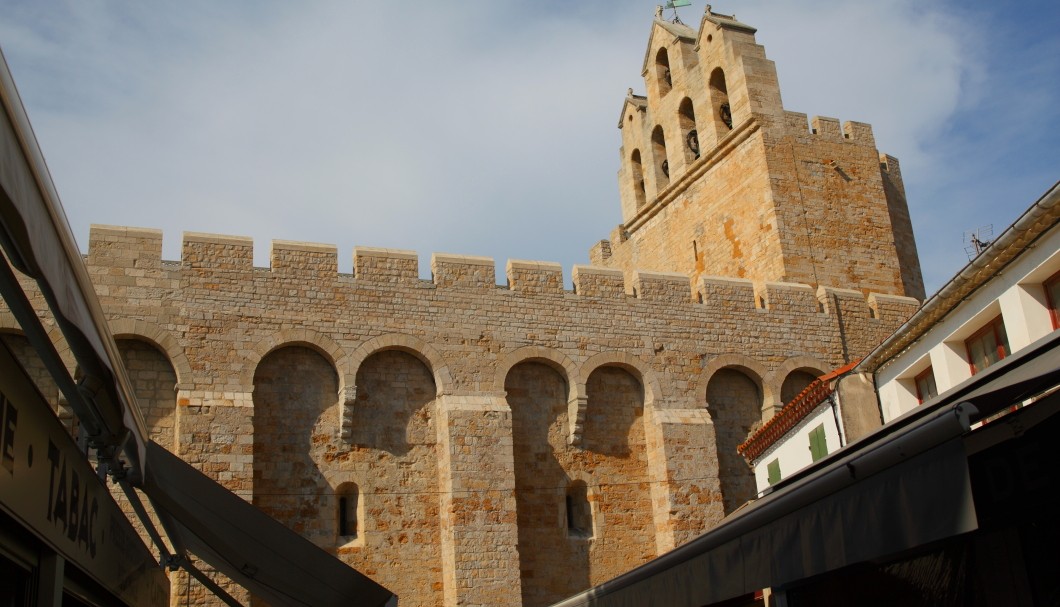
pixel 902 487
pixel 861 507
pixel 247 545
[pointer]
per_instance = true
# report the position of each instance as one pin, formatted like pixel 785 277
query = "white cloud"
pixel 486 128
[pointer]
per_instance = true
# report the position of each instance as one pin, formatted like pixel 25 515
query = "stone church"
pixel 466 442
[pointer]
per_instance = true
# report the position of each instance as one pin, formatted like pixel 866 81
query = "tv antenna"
pixel 977 241
pixel 673 4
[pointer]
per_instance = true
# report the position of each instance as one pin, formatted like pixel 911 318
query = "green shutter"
pixel 818 443
pixel 773 471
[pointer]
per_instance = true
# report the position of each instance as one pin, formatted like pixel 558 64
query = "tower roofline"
pixel 726 21
pixel 639 102
pixel 677 30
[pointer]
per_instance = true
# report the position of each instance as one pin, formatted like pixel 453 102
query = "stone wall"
pixel 762 195
pixel 460 411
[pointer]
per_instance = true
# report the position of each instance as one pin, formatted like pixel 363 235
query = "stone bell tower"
pixel 717 179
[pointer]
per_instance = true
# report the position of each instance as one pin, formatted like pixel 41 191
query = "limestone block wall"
pixel 779 200
pixel 460 412
pixel 715 219
pixel 717 179
pixel 834 214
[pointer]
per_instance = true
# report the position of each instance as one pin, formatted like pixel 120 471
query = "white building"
pixel 1003 301
pixel 1000 303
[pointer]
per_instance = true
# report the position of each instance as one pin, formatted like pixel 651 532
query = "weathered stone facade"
pixel 717 179
pixel 465 443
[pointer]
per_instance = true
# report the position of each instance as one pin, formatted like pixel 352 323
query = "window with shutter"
pixel 818 443
pixel 773 471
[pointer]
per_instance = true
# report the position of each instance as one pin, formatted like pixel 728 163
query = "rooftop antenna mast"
pixel 673 4
pixel 977 241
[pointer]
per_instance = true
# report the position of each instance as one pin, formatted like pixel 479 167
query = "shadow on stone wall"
pixel 734 402
pixel 551 564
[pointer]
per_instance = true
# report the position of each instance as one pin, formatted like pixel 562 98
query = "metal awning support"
pixel 38 242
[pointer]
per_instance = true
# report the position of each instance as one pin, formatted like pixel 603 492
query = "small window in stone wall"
pixel 348 503
pixel 579 511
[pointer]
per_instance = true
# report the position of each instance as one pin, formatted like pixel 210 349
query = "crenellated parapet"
pixel 822 128
pixel 222 259
pixel 594 281
pixel 789 297
pixel 122 247
pixel 385 265
pixel 668 287
pixel 534 276
pixel 215 253
pixel 463 271
pixel 303 259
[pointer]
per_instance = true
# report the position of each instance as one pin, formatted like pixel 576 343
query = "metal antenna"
pixel 977 241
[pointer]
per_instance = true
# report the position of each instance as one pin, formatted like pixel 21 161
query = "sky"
pixel 489 128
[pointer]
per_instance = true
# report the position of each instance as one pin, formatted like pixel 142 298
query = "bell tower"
pixel 718 179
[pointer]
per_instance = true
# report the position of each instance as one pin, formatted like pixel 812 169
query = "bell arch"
pixel 686 119
pixel 663 75
pixel 637 174
pixel 659 160
pixel 719 101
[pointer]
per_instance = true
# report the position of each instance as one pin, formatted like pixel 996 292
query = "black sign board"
pixel 47 483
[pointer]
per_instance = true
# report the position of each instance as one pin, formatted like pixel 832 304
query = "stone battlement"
pixel 139 250
pixel 825 128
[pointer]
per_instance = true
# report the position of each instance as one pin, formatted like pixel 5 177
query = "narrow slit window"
pixel 347 511
pixel 578 510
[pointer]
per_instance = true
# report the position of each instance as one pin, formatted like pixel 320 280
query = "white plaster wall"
pixel 793 450
pixel 1015 293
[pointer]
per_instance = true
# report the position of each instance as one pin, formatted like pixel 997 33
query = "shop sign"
pixel 47 483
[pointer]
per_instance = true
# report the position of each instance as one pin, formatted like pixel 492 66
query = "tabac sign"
pixel 48 485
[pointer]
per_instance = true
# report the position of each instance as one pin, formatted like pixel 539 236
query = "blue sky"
pixel 488 128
